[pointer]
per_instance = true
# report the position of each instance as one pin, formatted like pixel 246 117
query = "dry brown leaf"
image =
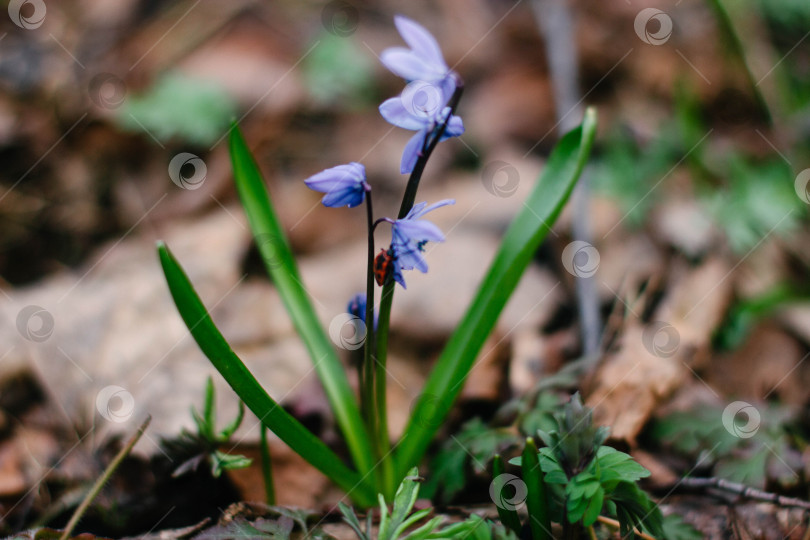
pixel 631 383
pixel 695 306
pixel 769 362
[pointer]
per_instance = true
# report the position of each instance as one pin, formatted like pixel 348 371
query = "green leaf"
pixel 594 507
pixel 237 375
pixel 507 515
pixel 675 528
pixel 351 518
pixel 428 530
pixel 521 241
pixel 209 412
pixel 536 500
pixel 554 472
pixel 612 463
pixel 231 428
pixel 635 509
pixel 339 71
pixel 221 461
pixel 579 492
pixel 476 442
pixel 405 498
pixel 178 106
pixel 275 251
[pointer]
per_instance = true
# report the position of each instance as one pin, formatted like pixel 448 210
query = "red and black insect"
pixel 383 266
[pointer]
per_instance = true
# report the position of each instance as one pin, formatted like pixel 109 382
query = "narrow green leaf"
pixel 508 515
pixel 228 431
pixel 209 412
pixel 536 500
pixel 351 518
pixel 237 375
pixel 280 264
pixel 221 461
pixel 521 241
pixel 267 468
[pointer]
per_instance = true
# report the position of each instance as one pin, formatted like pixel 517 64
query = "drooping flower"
pixel 344 185
pixel 402 113
pixel 423 61
pixel 357 308
pixel 409 236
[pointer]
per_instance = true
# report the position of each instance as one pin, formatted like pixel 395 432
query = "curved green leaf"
pixel 237 375
pixel 536 500
pixel 280 264
pixel 521 241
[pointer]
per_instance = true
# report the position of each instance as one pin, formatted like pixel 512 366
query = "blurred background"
pixel 114 117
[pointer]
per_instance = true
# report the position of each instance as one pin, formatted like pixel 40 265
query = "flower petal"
pixel 411 152
pixel 420 40
pixel 341 176
pixel 344 185
pixel 419 231
pixel 394 112
pixel 420 209
pixel 397 275
pixel 350 197
pixel 455 127
pixel 407 253
pixel 412 259
pixel 408 65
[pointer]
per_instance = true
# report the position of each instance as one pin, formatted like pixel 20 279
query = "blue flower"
pixel 409 236
pixel 357 306
pixel 423 61
pixel 403 113
pixel 344 185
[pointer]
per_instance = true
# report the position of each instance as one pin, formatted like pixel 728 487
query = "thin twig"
pixel 743 491
pixel 610 522
pixel 103 479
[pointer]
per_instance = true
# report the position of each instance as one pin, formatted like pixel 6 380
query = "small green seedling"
pixel 575 481
pixel 209 441
pixel 401 522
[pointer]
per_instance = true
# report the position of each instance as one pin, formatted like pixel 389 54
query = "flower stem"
pixel 416 175
pixel 383 441
pixel 387 299
pixel 366 370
